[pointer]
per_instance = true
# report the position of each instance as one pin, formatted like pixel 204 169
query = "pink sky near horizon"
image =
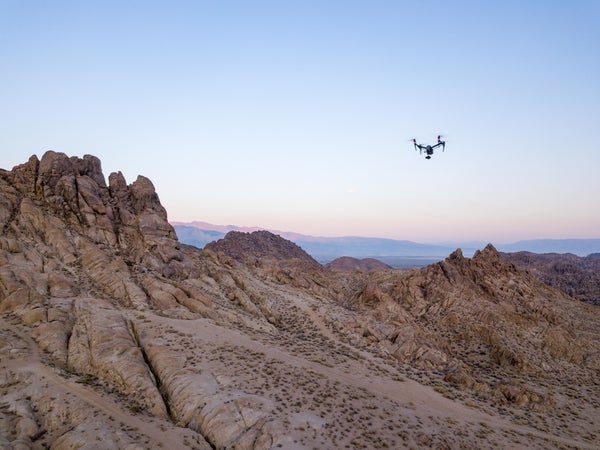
pixel 298 116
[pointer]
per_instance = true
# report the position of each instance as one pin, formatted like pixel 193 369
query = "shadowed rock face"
pixel 72 195
pixel 348 264
pixel 76 255
pixel 576 276
pixel 252 344
pixel 261 244
pixel 478 315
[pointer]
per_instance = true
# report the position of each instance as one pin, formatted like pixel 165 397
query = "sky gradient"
pixel 298 115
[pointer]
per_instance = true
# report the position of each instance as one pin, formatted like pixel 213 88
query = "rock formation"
pixel 481 315
pixel 77 254
pixel 259 245
pixel 113 335
pixel 576 276
pixel 348 264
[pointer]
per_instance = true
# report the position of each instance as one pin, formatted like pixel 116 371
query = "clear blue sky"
pixel 297 115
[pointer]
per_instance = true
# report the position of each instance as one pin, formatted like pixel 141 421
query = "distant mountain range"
pixel 579 247
pixel 396 253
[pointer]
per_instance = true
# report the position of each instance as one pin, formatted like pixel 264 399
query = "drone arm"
pixel 442 143
pixel 416 145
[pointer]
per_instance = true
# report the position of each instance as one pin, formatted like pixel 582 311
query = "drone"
pixel 429 148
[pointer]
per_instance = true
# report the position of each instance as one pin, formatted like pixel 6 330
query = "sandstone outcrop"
pixel 75 253
pixel 480 322
pixel 576 276
pixel 226 418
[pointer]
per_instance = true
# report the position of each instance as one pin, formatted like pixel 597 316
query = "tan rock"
pixel 224 419
pixel 102 344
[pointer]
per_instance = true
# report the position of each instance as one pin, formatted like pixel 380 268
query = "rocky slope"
pixel 577 276
pixel 349 264
pixel 116 336
pixel 257 245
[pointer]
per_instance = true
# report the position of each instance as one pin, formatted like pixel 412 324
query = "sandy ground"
pixel 325 393
pixel 414 402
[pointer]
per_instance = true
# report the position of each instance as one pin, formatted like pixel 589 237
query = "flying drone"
pixel 429 148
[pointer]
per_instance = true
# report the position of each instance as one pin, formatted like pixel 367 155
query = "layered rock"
pixel 102 343
pixel 466 317
pixel 74 251
pixel 105 237
pixel 576 276
pixel 227 419
pixel 60 199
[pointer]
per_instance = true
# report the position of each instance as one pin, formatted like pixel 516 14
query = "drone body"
pixel 429 148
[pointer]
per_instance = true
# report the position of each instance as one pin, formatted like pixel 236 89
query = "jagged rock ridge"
pixel 576 276
pixel 450 309
pixel 76 255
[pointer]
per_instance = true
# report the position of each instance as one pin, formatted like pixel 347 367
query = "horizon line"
pixel 440 243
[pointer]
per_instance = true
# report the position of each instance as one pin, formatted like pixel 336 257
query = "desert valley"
pixel 116 335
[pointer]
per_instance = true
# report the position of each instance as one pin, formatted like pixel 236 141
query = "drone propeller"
pixel 414 141
pixel 442 142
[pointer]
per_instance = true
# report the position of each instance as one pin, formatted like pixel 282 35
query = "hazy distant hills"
pixel 579 247
pixel 396 253
pixel 197 237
